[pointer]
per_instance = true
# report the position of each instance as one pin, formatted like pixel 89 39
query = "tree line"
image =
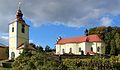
pixel 41 49
pixel 110 37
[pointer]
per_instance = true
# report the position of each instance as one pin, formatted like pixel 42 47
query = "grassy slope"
pixel 5 68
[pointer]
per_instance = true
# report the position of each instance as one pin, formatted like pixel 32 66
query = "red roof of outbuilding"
pixel 90 38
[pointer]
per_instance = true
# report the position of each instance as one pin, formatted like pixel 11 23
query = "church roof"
pixel 90 38
pixel 23 46
pixel 19 18
pixel 15 20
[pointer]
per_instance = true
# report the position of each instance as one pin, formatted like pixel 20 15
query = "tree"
pixel 117 40
pixel 107 34
pixel 33 45
pixel 38 61
pixel 39 48
pixel 26 52
pixel 47 48
pixel 113 48
pixel 86 32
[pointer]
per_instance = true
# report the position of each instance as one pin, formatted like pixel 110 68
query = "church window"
pixel 91 48
pixel 12 29
pixel 79 49
pixel 63 51
pixel 12 55
pixel 98 49
pixel 23 29
pixel 70 50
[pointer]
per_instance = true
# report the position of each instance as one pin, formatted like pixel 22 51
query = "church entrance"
pixel 12 55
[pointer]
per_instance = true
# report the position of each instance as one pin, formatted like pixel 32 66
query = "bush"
pixel 38 61
pixel 7 64
pixel 43 61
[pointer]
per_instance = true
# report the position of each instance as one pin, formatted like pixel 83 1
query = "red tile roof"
pixel 90 52
pixel 23 46
pixel 90 38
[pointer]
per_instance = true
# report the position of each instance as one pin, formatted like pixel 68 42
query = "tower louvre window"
pixel 23 29
pixel 12 29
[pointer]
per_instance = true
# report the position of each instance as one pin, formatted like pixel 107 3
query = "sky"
pixel 49 19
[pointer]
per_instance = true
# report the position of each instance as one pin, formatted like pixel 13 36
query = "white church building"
pixel 81 45
pixel 18 36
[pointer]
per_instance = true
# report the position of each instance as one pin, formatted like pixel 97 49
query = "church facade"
pixel 83 45
pixel 18 35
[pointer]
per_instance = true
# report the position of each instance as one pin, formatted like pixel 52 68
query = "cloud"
pixel 4 38
pixel 106 21
pixel 31 41
pixel 71 13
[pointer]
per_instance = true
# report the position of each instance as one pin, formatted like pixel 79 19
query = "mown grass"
pixel 5 68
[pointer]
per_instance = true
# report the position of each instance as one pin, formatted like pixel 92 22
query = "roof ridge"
pixel 90 38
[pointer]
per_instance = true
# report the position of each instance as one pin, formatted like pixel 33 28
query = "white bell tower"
pixel 18 35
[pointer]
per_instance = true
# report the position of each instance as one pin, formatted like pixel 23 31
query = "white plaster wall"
pixel 99 44
pixel 85 47
pixel 57 49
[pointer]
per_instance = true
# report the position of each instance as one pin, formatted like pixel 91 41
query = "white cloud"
pixel 106 21
pixel 5 37
pixel 71 13
pixel 31 41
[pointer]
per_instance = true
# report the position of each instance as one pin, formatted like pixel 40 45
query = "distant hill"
pixel 2 44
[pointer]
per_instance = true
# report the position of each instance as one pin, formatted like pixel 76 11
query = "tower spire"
pixel 19 14
pixel 19 4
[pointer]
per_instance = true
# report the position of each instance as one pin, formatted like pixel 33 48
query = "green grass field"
pixel 5 68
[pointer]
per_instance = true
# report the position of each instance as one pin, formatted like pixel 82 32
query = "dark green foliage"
pixel 38 61
pixel 113 47
pixel 7 64
pixel 33 45
pixel 86 32
pixel 47 49
pixel 26 53
pixel 107 34
pixel 46 61
pixel 91 64
pixel 39 49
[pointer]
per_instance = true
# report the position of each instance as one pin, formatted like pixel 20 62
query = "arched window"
pixel 23 29
pixel 79 49
pixel 70 50
pixel 63 51
pixel 12 29
pixel 98 49
pixel 12 55
pixel 91 48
